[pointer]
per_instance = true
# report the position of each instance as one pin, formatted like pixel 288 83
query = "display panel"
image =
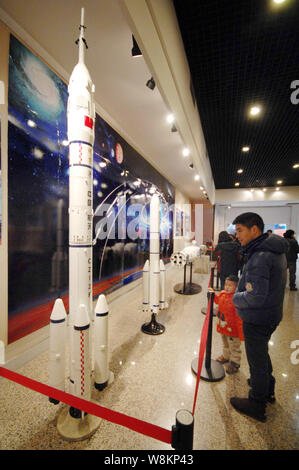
pixel 38 198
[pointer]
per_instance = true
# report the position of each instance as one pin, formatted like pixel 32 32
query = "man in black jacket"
pixel 259 301
pixel 292 255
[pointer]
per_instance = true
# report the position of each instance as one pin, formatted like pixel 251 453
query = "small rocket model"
pixel 81 122
pixel 154 273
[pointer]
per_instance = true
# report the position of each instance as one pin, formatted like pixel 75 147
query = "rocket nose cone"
pixel 81 317
pixel 146 265
pixel 155 201
pixel 101 306
pixel 58 312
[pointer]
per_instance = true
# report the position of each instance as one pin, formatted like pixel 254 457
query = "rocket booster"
pixel 57 347
pixel 80 119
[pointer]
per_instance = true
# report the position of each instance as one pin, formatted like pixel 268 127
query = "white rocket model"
pixel 81 123
pixel 187 255
pixel 154 272
pixel 57 347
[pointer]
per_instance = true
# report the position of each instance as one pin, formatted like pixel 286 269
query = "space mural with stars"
pixel 38 198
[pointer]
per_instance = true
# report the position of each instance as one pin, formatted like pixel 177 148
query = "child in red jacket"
pixel 229 325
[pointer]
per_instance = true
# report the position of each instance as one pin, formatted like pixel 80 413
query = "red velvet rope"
pixel 148 429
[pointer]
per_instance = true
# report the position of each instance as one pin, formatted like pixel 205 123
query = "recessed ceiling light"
pixel 296 165
pixel 237 184
pixel 240 171
pixel 245 149
pixel 255 110
pixel 196 177
pixel 200 187
pixel 279 182
pixel 279 1
pixel 170 118
pixel 186 152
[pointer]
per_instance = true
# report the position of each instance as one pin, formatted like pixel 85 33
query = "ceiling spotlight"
pixel 136 52
pixel 279 182
pixel 151 83
pixel 237 184
pixel 296 165
pixel 191 166
pixel 170 118
pixel 196 177
pixel 245 149
pixel 240 171
pixel 255 110
pixel 186 152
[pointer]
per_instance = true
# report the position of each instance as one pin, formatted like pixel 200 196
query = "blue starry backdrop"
pixel 38 190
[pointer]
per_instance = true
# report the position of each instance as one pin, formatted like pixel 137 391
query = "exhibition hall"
pixel 149 218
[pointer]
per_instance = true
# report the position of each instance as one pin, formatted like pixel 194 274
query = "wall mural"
pixel 38 198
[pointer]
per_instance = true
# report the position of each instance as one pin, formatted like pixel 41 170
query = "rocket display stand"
pixel 76 429
pixel 190 288
pixel 212 371
pixel 153 327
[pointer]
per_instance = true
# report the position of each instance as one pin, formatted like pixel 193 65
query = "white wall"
pixel 182 203
pixel 287 214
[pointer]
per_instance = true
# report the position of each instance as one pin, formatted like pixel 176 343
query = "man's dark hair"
pixel 232 278
pixel 224 237
pixel 249 219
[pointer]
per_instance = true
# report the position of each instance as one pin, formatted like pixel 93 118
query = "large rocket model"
pixel 154 273
pixel 81 123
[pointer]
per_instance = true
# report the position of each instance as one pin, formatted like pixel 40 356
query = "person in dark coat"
pixel 292 255
pixel 228 252
pixel 259 301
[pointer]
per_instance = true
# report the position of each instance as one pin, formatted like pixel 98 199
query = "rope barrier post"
pixel 211 284
pixel 182 431
pixel 211 371
pixel 217 279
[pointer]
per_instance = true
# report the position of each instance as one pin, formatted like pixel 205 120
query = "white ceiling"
pixel 50 28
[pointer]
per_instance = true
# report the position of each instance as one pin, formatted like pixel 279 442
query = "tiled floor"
pixel 153 379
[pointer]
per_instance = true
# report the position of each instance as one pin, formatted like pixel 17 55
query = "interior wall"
pixel 182 215
pixel 202 221
pixel 288 215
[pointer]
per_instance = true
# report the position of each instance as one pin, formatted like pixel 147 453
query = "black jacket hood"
pixel 273 243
